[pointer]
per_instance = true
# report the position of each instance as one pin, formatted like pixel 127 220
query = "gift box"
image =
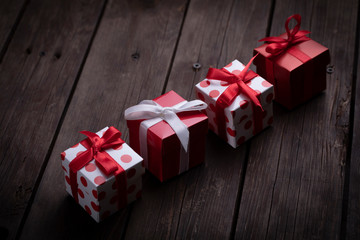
pixel 169 133
pixel 239 102
pixel 294 64
pixel 102 173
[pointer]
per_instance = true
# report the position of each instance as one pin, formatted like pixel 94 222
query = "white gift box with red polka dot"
pixel 239 115
pixel 97 193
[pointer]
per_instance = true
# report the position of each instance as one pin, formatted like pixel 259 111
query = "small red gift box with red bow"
pixel 169 133
pixel 102 173
pixel 294 64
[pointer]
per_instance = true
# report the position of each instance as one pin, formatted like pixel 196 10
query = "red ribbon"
pixel 279 45
pixel 237 85
pixel 96 147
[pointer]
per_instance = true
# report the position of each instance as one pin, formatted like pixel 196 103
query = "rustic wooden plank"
pixel 294 180
pixel 11 12
pixel 128 62
pixel 37 75
pixel 201 203
pixel 352 227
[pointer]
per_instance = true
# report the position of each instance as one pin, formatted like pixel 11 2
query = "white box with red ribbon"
pixel 103 192
pixel 231 94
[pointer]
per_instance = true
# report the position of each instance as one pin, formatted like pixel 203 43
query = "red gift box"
pixel 163 145
pixel 294 64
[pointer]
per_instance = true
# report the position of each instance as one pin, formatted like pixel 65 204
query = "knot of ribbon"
pixel 278 45
pixel 237 85
pixel 95 149
pixel 154 113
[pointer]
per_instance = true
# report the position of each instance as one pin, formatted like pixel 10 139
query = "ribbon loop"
pixel 278 45
pixel 149 109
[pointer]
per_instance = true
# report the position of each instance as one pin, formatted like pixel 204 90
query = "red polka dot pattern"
pixel 131 173
pixel 90 167
pixel 243 118
pixel 113 199
pixel 270 121
pixel 99 180
pixel 244 104
pixel 214 93
pixel 266 84
pixel 205 83
pixel 231 132
pixel 79 153
pixel 131 189
pixel 212 107
pixel 200 96
pixel 258 92
pixel 81 194
pixel 241 140
pixel 229 65
pixel 269 98
pixel 226 119
pixel 87 209
pixel 83 181
pixel 138 194
pixel 224 84
pixel 94 193
pixel 118 148
pixel 95 207
pixel 236 72
pixel 126 158
pixel 101 196
pixel 63 154
pixel 248 124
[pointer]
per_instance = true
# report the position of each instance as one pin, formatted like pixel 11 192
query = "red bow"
pixel 278 45
pixel 96 147
pixel 237 85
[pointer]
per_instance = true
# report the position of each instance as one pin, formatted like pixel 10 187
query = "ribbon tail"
pixel 179 128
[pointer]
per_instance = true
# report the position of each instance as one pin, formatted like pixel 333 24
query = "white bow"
pixel 155 113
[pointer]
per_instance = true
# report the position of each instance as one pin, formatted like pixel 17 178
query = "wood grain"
pixel 200 204
pixel 11 12
pixel 37 75
pixel 353 198
pixel 128 62
pixel 295 177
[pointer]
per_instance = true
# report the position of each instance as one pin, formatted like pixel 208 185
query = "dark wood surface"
pixel 67 66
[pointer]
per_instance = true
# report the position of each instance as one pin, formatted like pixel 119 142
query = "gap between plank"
pixel 13 29
pixel 240 191
pixel 58 128
pixel 247 153
pixel 175 49
pixel 346 189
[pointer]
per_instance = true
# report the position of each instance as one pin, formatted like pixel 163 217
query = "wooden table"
pixel 67 66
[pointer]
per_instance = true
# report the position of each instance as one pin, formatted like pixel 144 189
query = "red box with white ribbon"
pixel 102 173
pixel 294 64
pixel 169 133
pixel 239 102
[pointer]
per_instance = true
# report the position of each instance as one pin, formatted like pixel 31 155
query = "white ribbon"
pixel 154 113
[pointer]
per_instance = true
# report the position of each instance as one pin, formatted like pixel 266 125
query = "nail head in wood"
pixel 196 66
pixel 330 69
